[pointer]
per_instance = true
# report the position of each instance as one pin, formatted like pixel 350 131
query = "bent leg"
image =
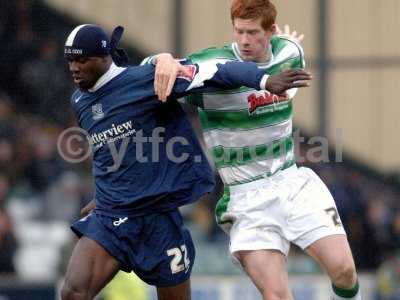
pixel 90 268
pixel 178 292
pixel 267 270
pixel 334 255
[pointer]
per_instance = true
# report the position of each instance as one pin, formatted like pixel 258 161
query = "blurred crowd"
pixel 37 185
pixel 369 210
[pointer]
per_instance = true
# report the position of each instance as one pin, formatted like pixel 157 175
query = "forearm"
pixel 227 74
pixel 222 74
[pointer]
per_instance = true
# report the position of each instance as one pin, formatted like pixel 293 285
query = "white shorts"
pixel 293 205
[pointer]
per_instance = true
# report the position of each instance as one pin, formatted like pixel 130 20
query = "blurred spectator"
pixel 4 190
pixel 388 276
pixel 8 245
pixel 395 232
pixel 6 109
pixel 63 199
pixel 7 156
pixel 48 83
pixel 18 47
pixel 361 233
pixel 379 216
pixel 45 166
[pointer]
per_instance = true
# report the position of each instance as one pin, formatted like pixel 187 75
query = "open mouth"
pixel 78 80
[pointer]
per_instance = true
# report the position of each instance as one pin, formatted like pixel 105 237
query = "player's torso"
pixel 130 133
pixel 248 132
pixel 116 111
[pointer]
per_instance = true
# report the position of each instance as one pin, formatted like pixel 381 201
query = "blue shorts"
pixel 156 246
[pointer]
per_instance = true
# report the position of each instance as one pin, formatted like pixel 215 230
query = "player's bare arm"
pixel 88 208
pixel 166 72
pixel 279 83
pixel 168 69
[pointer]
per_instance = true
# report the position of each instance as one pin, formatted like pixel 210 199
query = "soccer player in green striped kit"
pixel 268 201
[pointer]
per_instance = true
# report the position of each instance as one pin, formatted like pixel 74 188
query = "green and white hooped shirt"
pixel 249 132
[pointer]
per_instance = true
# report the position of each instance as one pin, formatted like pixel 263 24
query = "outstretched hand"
pixel 167 69
pixel 291 35
pixel 279 83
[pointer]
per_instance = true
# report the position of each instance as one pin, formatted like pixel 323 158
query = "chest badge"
pixel 97 111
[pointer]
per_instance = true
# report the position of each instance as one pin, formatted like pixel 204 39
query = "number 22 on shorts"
pixel 333 213
pixel 176 262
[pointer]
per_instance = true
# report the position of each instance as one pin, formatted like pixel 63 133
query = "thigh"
pixel 313 214
pixel 267 270
pixel 90 268
pixel 257 215
pixel 178 292
pixel 333 253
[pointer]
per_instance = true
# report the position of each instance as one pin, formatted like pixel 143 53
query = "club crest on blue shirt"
pixel 97 111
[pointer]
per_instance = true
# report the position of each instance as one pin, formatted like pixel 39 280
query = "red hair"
pixel 254 9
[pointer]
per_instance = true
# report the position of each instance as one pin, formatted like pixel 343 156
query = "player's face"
pixel 252 39
pixel 86 71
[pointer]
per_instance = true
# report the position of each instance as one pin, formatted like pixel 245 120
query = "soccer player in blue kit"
pixel 147 162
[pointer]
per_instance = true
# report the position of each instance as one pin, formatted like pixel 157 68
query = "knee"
pixel 70 293
pixel 345 275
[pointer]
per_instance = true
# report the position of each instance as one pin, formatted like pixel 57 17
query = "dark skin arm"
pixel 88 208
pixel 287 79
pixel 167 69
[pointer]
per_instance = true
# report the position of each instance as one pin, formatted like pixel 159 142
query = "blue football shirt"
pixel 146 157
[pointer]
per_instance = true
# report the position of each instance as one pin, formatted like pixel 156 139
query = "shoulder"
pixel 284 48
pixel 139 71
pixel 76 95
pixel 224 52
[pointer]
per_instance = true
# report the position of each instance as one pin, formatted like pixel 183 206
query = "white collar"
pixel 113 71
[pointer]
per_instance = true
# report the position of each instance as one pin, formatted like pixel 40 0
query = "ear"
pixel 274 28
pixel 106 59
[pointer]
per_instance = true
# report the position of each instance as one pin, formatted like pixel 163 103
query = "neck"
pixel 265 57
pixel 110 73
